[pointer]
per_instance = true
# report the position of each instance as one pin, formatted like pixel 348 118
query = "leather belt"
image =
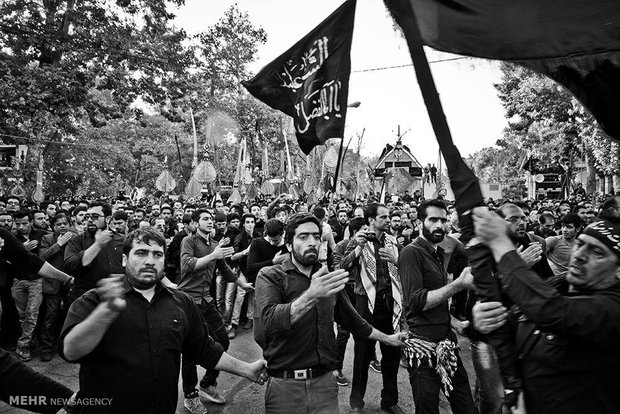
pixel 298 374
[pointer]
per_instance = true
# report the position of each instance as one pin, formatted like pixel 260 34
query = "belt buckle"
pixel 301 374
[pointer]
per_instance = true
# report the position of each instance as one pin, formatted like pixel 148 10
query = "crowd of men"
pixel 137 293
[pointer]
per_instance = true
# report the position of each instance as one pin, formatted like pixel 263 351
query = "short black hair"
pixel 297 220
pixel 395 213
pixel 77 209
pixel 274 227
pixel 21 214
pixel 119 215
pixel 196 214
pixel 432 202
pixel 232 216
pixel 60 215
pixel 247 216
pixel 356 224
pixel 371 210
pixel 187 218
pixel 105 207
pixel 572 218
pixel 145 235
pixel 319 212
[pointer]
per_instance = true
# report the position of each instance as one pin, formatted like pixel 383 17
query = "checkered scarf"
pixel 368 275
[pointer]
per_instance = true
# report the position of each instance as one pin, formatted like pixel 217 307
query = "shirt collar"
pixel 207 239
pixel 288 266
pixel 426 245
pixel 128 288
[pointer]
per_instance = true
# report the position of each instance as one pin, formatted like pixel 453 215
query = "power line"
pixel 75 144
pixel 407 65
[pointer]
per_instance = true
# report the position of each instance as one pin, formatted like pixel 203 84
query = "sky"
pixel 389 97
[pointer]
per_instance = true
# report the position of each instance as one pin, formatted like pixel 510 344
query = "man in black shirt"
pixel 425 297
pixel 242 249
pixel 96 253
pixel 128 336
pixel 21 386
pixel 297 303
pixel 268 250
pixel 568 342
pixel 378 300
pixel 27 289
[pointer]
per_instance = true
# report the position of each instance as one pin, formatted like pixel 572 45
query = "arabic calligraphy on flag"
pixel 310 81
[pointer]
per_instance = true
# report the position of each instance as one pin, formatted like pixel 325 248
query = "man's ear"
pixel 124 260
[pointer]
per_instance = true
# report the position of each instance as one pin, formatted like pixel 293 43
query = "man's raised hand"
pixel 221 252
pixel 325 284
pixel 111 290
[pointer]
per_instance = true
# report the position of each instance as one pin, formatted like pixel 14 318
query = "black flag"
pixel 310 81
pixel 574 42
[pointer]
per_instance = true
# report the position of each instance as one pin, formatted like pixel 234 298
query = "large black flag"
pixel 575 42
pixel 310 81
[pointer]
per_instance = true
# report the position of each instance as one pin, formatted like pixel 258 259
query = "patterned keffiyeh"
pixel 368 275
pixel 442 354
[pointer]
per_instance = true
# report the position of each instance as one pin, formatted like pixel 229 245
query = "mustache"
pixel 311 250
pixel 148 269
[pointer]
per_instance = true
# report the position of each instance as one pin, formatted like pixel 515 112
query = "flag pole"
pixel 341 154
pixel 463 181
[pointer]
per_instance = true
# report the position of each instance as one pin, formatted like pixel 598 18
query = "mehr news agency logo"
pixel 42 400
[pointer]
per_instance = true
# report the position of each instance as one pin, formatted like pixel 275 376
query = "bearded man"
pixel 297 302
pixel 96 253
pixel 426 291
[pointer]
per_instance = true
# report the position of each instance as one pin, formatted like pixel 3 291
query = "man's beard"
pixel 514 236
pixel 436 236
pixel 140 284
pixel 310 257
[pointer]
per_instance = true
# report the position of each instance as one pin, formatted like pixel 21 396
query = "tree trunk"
pixel 51 55
pixel 591 173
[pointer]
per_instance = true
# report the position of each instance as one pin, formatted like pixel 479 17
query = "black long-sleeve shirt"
pixel 109 260
pixel 242 241
pixel 261 254
pixel 310 342
pixel 568 345
pixel 15 258
pixel 422 270
pixel 21 386
pixel 138 360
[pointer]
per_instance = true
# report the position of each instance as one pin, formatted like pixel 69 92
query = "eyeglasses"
pixel 514 220
pixel 94 216
pixel 13 203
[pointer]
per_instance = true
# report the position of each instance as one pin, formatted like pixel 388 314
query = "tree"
pixel 545 122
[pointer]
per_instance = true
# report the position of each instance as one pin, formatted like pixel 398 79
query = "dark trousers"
pixel 381 319
pixel 342 335
pixel 9 321
pixel 426 386
pixel 217 330
pixel 52 313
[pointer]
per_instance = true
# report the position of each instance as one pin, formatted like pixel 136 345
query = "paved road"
pixel 245 397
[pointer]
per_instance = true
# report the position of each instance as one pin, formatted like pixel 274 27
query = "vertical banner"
pixel 310 81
